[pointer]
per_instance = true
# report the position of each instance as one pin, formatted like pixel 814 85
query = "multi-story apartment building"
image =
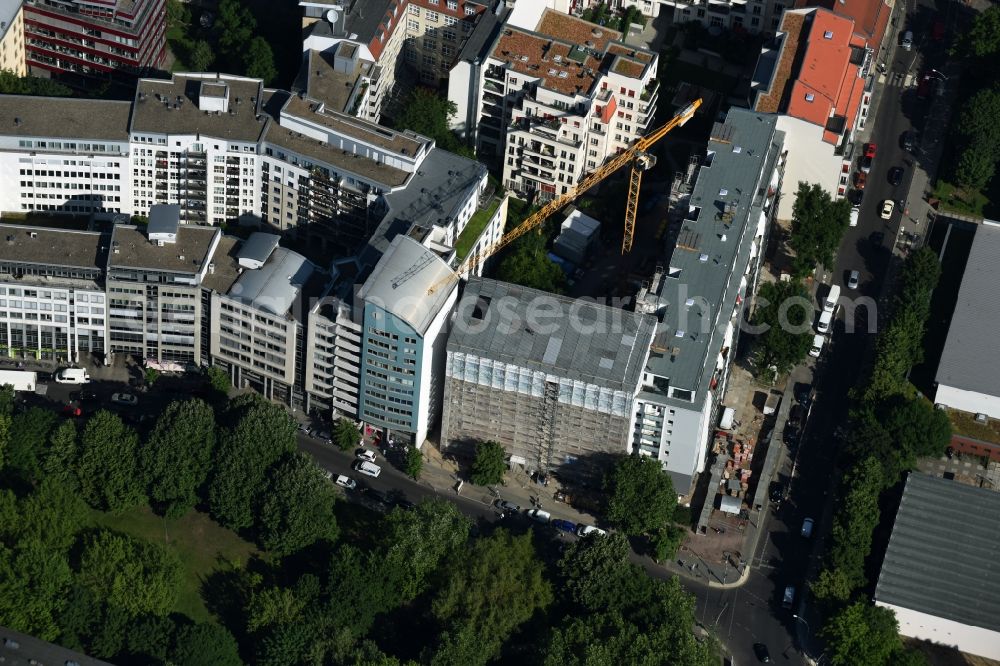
pixel 98 39
pixel 698 295
pixel 555 101
pixel 385 38
pixel 52 300
pixel 820 79
pixel 12 37
pixel 257 325
pixel 551 379
pixel 153 280
pixel 406 302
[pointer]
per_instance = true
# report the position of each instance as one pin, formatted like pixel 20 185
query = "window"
pixel 432 2
pixel 432 17
pixel 430 44
pixel 447 51
pixel 470 10
pixel 412 24
pixel 414 10
pixel 430 61
pixel 452 4
pixel 450 20
pixel 449 35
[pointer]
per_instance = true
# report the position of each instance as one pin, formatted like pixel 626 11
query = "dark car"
pixel 856 197
pixel 763 655
pixel 403 503
pixel 803 393
pixel 504 505
pixel 796 416
pixel 85 395
pixel 895 175
pixel 564 525
pixel 776 491
pixel 937 30
pixel 908 141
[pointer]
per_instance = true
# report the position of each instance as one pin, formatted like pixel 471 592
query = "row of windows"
pixel 71 174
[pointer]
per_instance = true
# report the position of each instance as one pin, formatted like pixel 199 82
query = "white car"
pixel 345 482
pixel 126 399
pixel 887 207
pixel 366 455
pixel 539 516
pixel 855 213
pixel 584 530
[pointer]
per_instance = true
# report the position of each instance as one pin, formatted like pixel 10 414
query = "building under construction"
pixel 552 379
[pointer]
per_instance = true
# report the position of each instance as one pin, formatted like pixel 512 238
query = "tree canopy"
pixel 108 469
pixel 489 465
pixel 862 633
pixel 135 576
pixel 425 112
pixel 818 224
pixel 346 435
pixel 641 496
pixel 982 38
pixel 528 264
pixel 783 316
pixel 177 455
pixel 297 509
pixel 12 84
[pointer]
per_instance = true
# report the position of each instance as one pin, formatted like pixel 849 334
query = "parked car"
pixel 866 164
pixel 803 393
pixel 856 197
pixel 72 376
pixel 403 503
pixel 345 482
pixel 908 140
pixel 504 505
pixel 855 214
pixel 807 528
pixel 367 468
pixel 84 395
pixel 852 279
pixel 860 180
pixel 125 399
pixel 564 525
pixel 539 516
pixel 870 150
pixel 763 656
pixel 776 491
pixel 365 454
pixel 788 599
pixel 584 530
pixel 907 42
pixel 896 175
pixel 937 30
pixel 71 410
pixel 887 207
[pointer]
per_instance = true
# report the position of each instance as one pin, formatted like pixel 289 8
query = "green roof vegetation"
pixel 964 423
pixel 467 239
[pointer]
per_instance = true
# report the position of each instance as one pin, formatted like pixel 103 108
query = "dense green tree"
pixel 6 418
pixel 489 465
pixel 108 637
pixel 414 462
pixel 259 435
pixel 273 606
pixel 918 279
pixel 346 435
pixel 258 60
pixel 486 595
pixel 641 496
pixel 149 638
pixel 783 318
pixel 528 264
pixel 837 584
pixel 286 644
pixel 862 633
pixel 982 38
pixel 177 455
pixel 367 653
pixel 297 508
pixel 818 224
pixel 201 56
pixel 897 432
pixel 52 515
pixel 218 379
pixel 975 167
pixel 980 137
pixel 596 574
pixel 908 657
pixel 12 84
pixel 425 112
pixel 108 466
pixel 413 544
pixel 78 617
pixel 29 435
pixel 33 582
pixel 205 645
pixel 234 27
pixel 133 575
pixel 59 463
pixel 666 541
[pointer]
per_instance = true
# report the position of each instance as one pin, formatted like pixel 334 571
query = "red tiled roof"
pixel 871 17
pixel 827 83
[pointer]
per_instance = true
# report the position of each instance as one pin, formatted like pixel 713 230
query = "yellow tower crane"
pixel 636 155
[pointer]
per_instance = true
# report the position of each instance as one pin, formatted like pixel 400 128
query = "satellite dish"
pixel 332 15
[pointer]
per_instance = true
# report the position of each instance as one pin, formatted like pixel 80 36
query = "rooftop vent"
pixel 597 33
pixel 703 258
pixel 679 334
pixel 33 234
pixel 810 97
pixel 17 121
pixel 523 58
pixel 689 302
pixel 828 34
pixel 552 72
pixel 563 75
pixel 982 418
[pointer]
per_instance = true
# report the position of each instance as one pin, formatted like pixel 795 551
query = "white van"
pixel 830 304
pixel 825 319
pixel 367 468
pixel 72 376
pixel 817 346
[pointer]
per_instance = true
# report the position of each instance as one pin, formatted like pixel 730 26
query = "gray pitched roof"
pixel 969 360
pixel 942 555
pixel 575 339
pixel 401 280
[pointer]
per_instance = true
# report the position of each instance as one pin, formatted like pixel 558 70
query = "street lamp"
pixel 934 71
pixel 803 621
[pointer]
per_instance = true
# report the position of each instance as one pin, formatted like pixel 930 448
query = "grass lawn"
pixel 476 224
pixel 958 200
pixel 200 543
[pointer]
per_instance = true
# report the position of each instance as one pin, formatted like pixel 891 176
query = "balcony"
pixel 538 148
pixel 492 86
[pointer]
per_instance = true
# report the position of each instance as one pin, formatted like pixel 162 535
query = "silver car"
pixel 853 279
